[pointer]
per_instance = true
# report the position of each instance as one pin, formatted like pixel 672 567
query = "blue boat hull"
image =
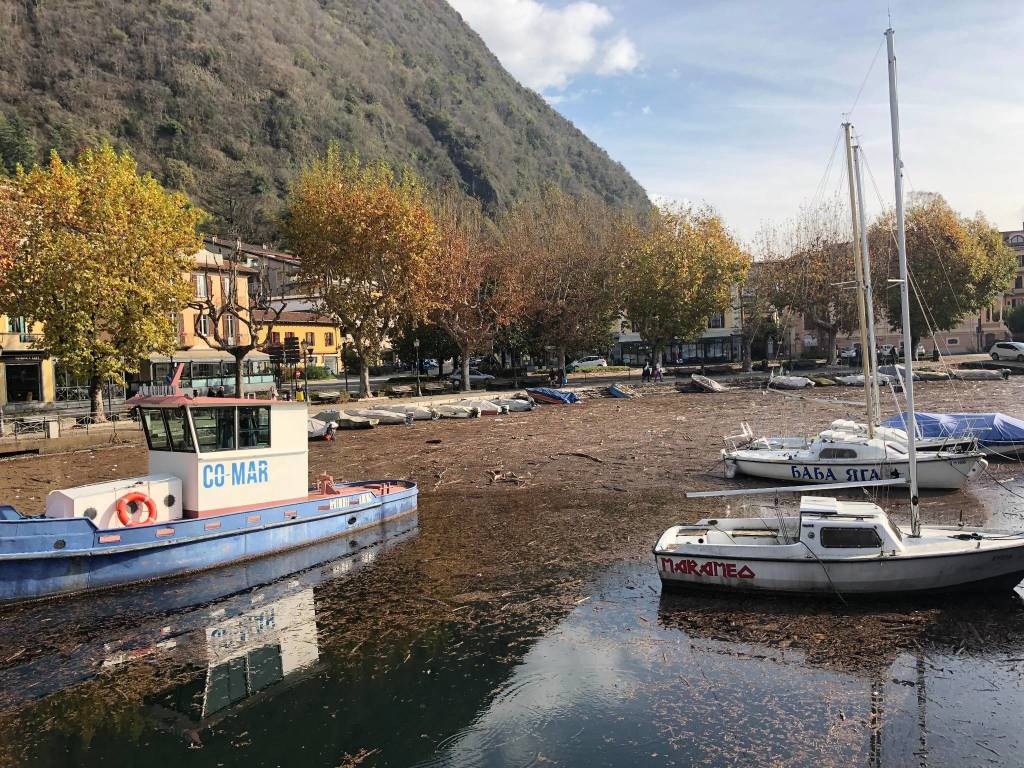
pixel 45 557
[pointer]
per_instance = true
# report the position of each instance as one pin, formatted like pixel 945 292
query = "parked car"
pixel 1008 350
pixel 849 352
pixel 476 376
pixel 590 361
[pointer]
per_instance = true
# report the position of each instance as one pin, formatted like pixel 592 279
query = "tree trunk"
pixel 239 377
pixel 96 399
pixel 561 364
pixel 658 355
pixel 748 362
pixel 364 378
pixel 830 336
pixel 464 352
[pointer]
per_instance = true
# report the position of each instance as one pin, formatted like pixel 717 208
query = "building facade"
pixel 320 339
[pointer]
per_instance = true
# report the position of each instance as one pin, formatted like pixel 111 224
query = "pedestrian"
pixel 646 375
pixel 211 392
pixel 657 372
pixel 220 391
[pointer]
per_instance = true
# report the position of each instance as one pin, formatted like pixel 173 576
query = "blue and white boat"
pixel 228 481
pixel 998 435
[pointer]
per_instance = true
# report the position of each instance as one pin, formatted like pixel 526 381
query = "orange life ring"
pixel 126 517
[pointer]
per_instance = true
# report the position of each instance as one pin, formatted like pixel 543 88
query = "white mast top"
pixel 869 300
pixel 901 245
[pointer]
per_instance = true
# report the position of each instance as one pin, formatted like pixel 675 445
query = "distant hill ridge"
pixel 225 99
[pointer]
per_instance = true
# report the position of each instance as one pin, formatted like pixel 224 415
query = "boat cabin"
pixel 207 455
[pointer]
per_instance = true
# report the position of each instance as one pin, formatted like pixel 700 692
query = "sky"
pixel 738 103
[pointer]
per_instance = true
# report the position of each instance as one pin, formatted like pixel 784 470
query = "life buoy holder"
pixel 125 516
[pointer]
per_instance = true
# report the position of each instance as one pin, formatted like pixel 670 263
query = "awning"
pixel 205 356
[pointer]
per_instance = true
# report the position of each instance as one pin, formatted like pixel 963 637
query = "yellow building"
pixel 320 339
pixel 26 369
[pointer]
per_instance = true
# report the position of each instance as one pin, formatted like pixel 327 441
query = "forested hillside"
pixel 226 99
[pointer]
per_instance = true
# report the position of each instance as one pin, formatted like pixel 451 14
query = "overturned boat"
pixel 344 420
pixel 228 481
pixel 550 396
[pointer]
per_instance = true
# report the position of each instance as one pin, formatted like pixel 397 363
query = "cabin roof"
pixel 829 505
pixel 177 401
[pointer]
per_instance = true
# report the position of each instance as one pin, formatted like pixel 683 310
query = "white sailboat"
pixel 850 451
pixel 844 547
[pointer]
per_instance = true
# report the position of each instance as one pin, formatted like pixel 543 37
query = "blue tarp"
pixel 989 428
pixel 546 395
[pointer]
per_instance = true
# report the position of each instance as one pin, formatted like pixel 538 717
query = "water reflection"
pixel 402 664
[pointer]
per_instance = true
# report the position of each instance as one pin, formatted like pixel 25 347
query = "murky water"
pixel 471 636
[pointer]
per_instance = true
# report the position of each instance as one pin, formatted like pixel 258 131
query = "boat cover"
pixel 989 428
pixel 548 395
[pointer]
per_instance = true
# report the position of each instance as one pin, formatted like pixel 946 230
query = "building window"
pixel 228 288
pixel 329 338
pixel 289 335
pixel 1018 283
pixel 953 341
pixel 1020 260
pixel 230 326
pixel 203 325
pixel 310 338
pixel 202 286
pixel 275 338
pixel 717 320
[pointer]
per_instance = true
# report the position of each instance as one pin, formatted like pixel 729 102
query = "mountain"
pixel 226 99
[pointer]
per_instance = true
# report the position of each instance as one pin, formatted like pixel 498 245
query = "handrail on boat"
pixel 793 488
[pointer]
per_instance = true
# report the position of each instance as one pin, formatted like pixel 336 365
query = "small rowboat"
pixel 706 384
pixel 553 396
pixel 457 412
pixel 381 415
pixel 486 407
pixel 418 412
pixel 347 421
pixel 514 404
pixel 790 382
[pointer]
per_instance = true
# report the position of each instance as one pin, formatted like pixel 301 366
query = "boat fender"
pixel 126 517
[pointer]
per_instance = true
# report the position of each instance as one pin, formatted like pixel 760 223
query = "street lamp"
pixel 416 346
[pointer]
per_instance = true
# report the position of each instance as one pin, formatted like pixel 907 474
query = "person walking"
pixel 657 372
pixel 646 375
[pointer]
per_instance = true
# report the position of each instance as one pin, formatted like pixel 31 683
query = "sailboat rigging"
pixel 845 547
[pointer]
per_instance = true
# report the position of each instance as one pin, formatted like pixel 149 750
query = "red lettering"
pixel 708 569
pixel 666 564
pixel 730 570
pixel 745 573
pixel 691 566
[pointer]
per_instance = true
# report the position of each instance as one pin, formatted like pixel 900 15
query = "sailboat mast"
pixel 901 245
pixel 869 300
pixel 859 269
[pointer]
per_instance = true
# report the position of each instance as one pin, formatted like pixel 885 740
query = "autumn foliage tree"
pixel 812 257
pixel 474 287
pixel 958 266
pixel 679 267
pixel 568 248
pixel 364 237
pixel 103 263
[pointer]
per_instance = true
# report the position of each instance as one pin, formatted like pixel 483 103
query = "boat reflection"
pixel 247 641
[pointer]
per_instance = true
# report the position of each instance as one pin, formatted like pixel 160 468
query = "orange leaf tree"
pixel 103 263
pixel 364 237
pixel 473 287
pixel 569 248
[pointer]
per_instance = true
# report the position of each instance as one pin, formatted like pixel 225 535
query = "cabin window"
pixel 215 428
pixel 177 429
pixel 837 453
pixel 156 430
pixel 254 427
pixel 850 538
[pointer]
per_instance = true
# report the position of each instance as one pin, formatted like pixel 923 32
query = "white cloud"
pixel 544 46
pixel 620 55
pixel 646 110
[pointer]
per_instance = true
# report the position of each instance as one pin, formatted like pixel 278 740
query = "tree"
pixel 364 239
pixel 434 343
pixel 16 145
pixel 813 256
pixel 757 295
pixel 226 318
pixel 568 250
pixel 103 264
pixel 957 265
pixel 1014 320
pixel 474 287
pixel 678 268
pixel 11 224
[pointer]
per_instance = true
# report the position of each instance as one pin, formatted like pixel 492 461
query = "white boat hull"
pixel 933 472
pixel 979 570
